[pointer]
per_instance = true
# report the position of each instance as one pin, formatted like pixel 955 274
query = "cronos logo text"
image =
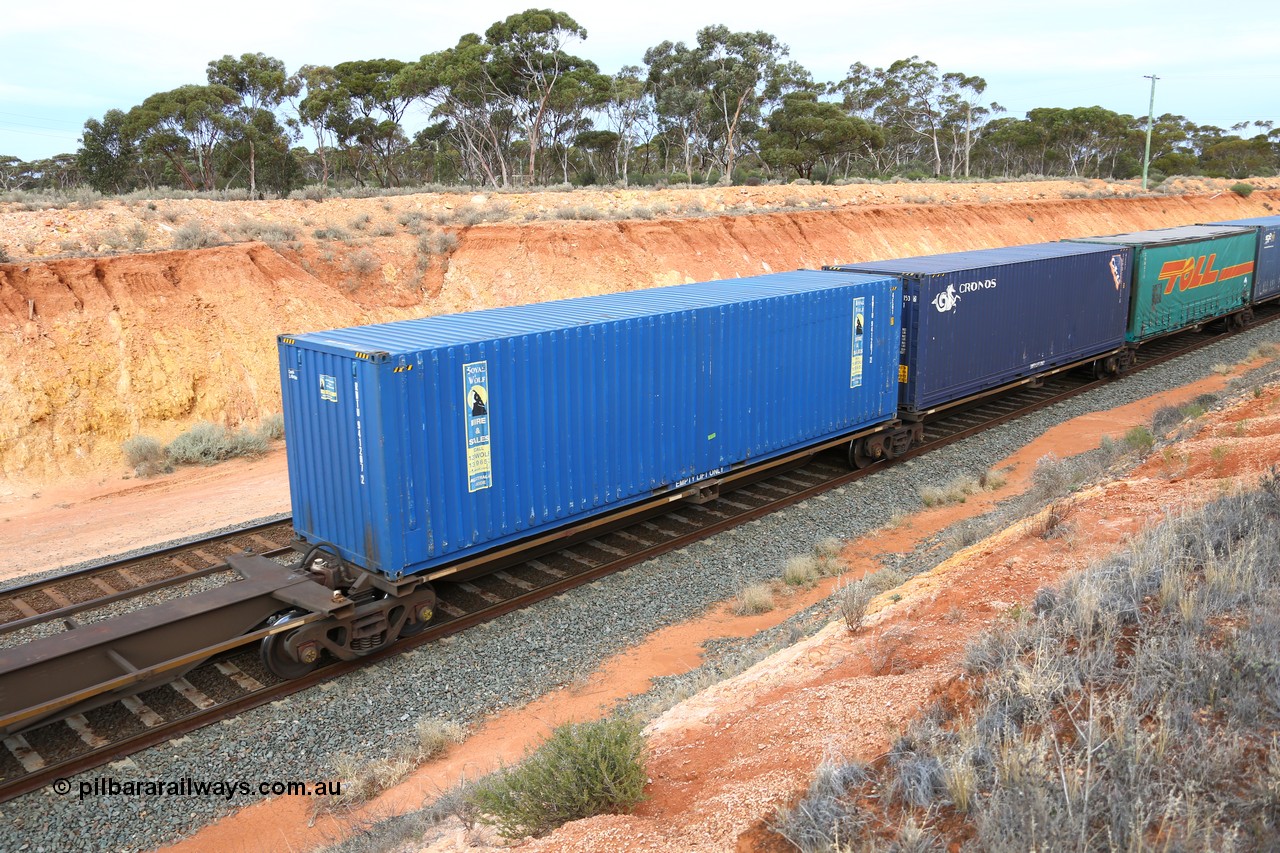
pixel 950 298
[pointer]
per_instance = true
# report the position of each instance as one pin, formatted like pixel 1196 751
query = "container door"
pixel 1266 284
pixel 709 327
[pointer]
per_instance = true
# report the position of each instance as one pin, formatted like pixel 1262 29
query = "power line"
pixel 45 119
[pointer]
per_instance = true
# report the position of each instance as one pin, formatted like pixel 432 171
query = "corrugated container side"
pixel 974 321
pixel 411 445
pixel 1266 273
pixel 1185 276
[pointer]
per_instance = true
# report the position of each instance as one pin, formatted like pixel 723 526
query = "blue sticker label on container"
pixel 859 330
pixel 475 380
pixel 329 388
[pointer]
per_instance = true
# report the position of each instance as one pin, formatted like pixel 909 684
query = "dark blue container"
pixel 1266 270
pixel 975 321
pixel 414 444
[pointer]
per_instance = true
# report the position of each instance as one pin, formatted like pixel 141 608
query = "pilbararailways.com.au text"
pixel 106 786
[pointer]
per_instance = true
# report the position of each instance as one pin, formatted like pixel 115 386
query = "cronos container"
pixel 1266 258
pixel 413 444
pixel 1185 276
pixel 976 321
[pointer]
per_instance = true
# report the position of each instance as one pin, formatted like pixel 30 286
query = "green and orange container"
pixel 1186 276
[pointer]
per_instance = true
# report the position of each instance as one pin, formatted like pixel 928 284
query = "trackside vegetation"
pixel 519 105
pixel 1135 707
pixel 583 769
pixel 204 444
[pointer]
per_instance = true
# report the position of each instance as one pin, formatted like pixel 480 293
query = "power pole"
pixel 1151 115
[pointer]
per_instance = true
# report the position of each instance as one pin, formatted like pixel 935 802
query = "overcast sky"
pixel 65 61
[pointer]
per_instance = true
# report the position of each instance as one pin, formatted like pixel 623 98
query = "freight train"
pixel 436 449
pixel 418 449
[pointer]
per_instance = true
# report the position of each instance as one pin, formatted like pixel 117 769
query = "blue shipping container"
pixel 975 321
pixel 413 444
pixel 1266 269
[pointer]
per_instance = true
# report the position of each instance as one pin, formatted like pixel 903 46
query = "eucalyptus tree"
pixel 627 108
pixel 805 131
pixel 1083 138
pixel 186 122
pixel 1234 157
pixel 107 155
pixel 370 125
pixel 456 87
pixel 262 84
pixel 741 72
pixel 567 113
pixel 528 63
pixel 13 173
pixel 707 95
pixel 682 103
pixel 917 106
pixel 325 107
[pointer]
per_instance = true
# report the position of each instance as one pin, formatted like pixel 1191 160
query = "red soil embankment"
pixel 101 349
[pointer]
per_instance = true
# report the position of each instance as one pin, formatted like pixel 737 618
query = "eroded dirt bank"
pixel 100 349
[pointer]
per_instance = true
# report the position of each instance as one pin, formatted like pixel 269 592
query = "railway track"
pixel 236 679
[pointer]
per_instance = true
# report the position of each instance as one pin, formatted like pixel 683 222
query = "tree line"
pixel 517 106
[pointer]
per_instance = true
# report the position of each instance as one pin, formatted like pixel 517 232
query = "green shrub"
pixel 444 243
pixel 583 769
pixel 137 235
pixel 412 220
pixel 1140 439
pixel 4 256
pixel 142 448
pixel 1242 189
pixel 269 232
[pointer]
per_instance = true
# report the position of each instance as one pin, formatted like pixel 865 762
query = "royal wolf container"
pixel 975 321
pixel 1184 276
pixel 1266 258
pixel 413 444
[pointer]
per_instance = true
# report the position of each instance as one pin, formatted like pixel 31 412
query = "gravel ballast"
pixel 523 655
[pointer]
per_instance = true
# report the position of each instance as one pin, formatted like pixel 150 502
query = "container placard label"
pixel 328 388
pixel 475 381
pixel 859 327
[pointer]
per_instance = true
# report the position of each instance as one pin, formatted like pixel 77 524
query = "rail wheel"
pixel 1106 368
pixel 425 610
pixel 281 660
pixel 865 452
pixel 412 629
